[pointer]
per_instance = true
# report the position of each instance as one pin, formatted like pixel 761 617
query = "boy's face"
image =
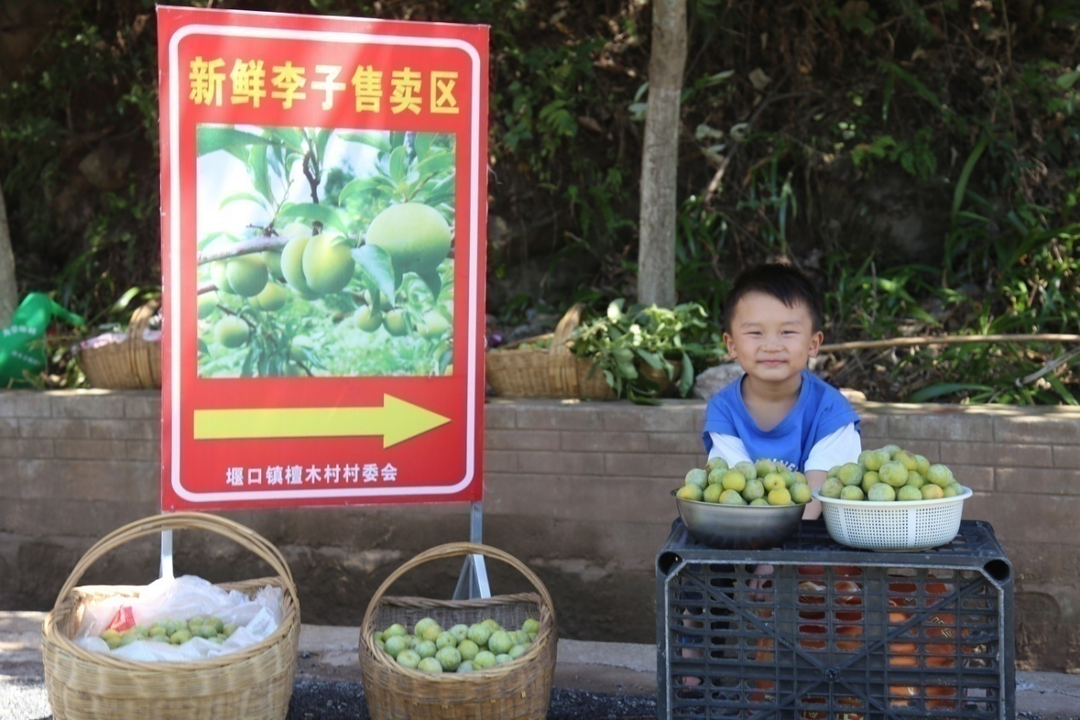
pixel 771 341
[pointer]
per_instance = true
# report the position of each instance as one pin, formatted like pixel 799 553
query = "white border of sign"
pixel 174 259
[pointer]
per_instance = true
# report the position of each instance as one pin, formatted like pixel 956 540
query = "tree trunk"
pixel 9 291
pixel 667 60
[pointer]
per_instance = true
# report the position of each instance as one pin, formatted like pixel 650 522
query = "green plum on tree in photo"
pixel 432 325
pixel 247 274
pixel 327 263
pixel 207 304
pixel 272 298
pixel 416 236
pixel 292 266
pixel 272 258
pixel 396 322
pixel 231 331
pixel 220 278
pixel 368 318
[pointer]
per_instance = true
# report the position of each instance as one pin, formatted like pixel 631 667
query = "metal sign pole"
pixel 166 554
pixel 473 581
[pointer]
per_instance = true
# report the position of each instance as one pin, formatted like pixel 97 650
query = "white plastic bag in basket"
pixel 182 598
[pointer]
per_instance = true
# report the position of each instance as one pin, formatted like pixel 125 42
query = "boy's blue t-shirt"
pixel 820 411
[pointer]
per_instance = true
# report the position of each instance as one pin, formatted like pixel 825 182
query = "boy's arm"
pixel 837 448
pixel 815 479
pixel 728 447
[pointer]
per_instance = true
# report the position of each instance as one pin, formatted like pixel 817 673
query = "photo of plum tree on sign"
pixel 324 253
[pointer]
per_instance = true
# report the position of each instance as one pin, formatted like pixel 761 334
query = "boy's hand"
pixel 815 479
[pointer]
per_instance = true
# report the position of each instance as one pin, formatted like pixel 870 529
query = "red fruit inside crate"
pixel 812 630
pixel 850 631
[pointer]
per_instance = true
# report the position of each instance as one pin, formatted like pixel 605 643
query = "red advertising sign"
pixel 323 246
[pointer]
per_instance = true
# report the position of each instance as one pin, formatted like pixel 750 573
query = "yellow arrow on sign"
pixel 396 421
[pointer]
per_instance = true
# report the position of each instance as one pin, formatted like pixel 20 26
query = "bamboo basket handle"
pixel 243 536
pixel 458 549
pixel 141 318
pixel 565 329
pixel 136 345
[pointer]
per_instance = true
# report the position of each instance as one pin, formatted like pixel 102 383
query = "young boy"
pixel 778 409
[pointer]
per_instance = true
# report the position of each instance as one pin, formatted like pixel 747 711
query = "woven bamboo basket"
pixel 518 689
pixel 251 684
pixel 134 363
pixel 554 372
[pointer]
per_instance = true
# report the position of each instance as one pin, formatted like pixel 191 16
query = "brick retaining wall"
pixel 577 491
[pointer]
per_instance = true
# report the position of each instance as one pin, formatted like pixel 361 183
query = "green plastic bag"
pixel 21 356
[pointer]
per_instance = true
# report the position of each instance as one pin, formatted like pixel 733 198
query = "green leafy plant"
pixel 642 351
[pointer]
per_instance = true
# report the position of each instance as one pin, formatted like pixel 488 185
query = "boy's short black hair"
pixel 783 282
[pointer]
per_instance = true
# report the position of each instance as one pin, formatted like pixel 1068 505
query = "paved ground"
pixel 592 680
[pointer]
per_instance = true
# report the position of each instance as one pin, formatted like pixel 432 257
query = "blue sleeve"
pixel 718 420
pixel 835 412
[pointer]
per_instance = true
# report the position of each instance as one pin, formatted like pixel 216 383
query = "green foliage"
pixel 641 350
pixel 972 105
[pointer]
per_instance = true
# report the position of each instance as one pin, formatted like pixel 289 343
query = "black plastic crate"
pixel 832 632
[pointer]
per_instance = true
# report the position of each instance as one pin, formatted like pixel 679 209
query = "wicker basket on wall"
pixel 552 372
pixel 255 683
pixel 519 689
pixel 134 363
